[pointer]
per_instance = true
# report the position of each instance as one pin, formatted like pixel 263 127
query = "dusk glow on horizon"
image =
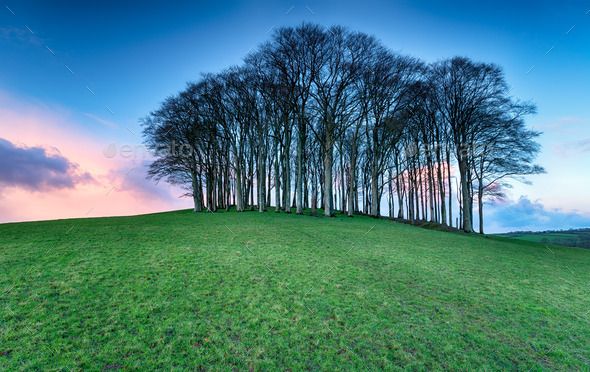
pixel 76 79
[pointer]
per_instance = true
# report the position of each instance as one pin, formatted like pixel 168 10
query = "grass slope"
pixel 267 291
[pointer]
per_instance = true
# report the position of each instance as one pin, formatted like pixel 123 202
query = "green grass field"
pixel 274 291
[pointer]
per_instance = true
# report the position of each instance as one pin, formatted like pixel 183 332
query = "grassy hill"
pixel 569 238
pixel 268 291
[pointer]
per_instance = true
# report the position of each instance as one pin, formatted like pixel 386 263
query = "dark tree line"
pixel 328 118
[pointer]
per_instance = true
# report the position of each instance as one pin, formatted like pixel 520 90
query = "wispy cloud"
pixel 20 35
pixel 573 148
pixel 563 124
pixel 134 181
pixel 102 121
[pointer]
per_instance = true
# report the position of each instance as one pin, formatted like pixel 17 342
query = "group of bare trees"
pixel 328 118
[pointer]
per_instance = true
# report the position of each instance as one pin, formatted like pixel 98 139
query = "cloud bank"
pixel 36 169
pixel 527 215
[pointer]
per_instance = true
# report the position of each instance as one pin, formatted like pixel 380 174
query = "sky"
pixel 76 77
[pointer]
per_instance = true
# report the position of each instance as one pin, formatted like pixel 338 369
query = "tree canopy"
pixel 330 118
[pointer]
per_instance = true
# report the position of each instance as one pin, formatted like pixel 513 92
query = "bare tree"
pixel 503 148
pixel 465 90
pixel 363 120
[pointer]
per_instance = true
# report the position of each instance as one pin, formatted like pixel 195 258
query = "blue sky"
pixel 95 68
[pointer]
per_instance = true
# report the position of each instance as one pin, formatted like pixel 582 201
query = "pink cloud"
pixel 37 168
pixel 114 190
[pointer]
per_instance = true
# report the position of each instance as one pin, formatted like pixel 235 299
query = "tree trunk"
pixel 287 173
pixel 399 186
pixel 294 201
pixel 352 177
pixel 261 184
pixel 277 183
pixel 268 164
pixel 441 186
pixel 239 188
pixel 343 199
pixel 305 185
pixel 299 176
pixel 390 194
pixel 466 196
pixel 374 190
pixel 328 160
pixel 480 205
pixel 433 215
pixel 196 192
pixel 314 193
pixel 450 187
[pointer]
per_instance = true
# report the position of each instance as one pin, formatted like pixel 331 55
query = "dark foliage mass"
pixel 329 118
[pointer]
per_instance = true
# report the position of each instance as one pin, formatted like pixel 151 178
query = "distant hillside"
pixel 569 238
